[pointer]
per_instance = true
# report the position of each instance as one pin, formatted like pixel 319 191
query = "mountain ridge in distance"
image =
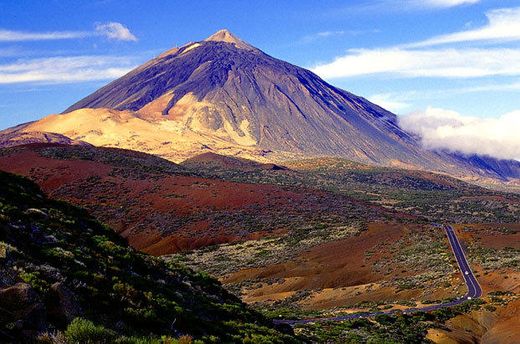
pixel 223 95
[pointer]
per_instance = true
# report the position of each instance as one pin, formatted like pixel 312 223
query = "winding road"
pixel 474 289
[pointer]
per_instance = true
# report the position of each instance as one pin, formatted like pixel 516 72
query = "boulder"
pixel 64 305
pixel 22 313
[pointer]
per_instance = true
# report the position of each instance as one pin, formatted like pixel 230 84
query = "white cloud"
pixel 443 3
pixel 503 25
pixel 115 31
pixel 403 5
pixel 445 63
pixel 65 69
pixel 331 34
pixel 389 102
pixel 512 86
pixel 320 35
pixel 20 36
pixel 423 59
pixel 111 30
pixel 446 129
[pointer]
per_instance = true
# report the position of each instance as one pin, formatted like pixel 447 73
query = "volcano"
pixel 223 95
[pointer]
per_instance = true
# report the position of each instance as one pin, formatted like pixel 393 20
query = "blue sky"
pixel 411 56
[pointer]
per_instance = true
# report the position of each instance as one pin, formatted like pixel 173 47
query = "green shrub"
pixel 490 308
pixel 82 331
pixel 34 280
pixel 144 340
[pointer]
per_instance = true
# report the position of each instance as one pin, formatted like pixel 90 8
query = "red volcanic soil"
pixel 338 263
pixel 339 273
pixel 492 235
pixel 497 236
pixel 166 210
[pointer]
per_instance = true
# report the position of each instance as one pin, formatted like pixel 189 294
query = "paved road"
pixel 474 290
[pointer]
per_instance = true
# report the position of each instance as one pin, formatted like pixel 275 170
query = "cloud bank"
pixel 442 63
pixel 110 30
pixel 425 59
pixel 503 25
pixel 445 129
pixel 412 5
pixel 21 36
pixel 65 69
pixel 442 3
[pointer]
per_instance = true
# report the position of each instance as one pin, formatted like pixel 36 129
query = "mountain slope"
pixel 225 96
pixel 16 136
pixel 505 169
pixel 58 264
pixel 161 207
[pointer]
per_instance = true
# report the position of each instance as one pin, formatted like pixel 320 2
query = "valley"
pixel 323 250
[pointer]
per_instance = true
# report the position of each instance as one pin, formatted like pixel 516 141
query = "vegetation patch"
pixel 64 275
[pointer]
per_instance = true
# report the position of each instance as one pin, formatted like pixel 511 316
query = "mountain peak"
pixel 223 35
pixel 226 36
